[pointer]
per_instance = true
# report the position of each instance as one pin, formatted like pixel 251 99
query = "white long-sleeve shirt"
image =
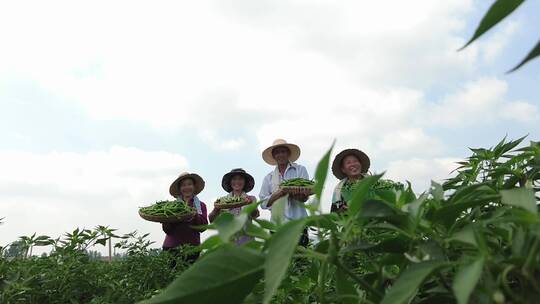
pixel 294 209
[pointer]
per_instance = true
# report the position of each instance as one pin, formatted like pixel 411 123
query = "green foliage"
pixel 70 275
pixel 229 274
pixel 473 239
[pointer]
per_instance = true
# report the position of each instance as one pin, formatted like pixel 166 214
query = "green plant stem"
pixel 322 280
pixel 359 280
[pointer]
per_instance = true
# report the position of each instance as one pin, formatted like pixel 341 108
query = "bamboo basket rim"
pixel 231 206
pixel 166 219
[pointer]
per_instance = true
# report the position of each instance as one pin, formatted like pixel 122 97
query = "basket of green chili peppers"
pixel 229 202
pixel 167 212
pixel 298 185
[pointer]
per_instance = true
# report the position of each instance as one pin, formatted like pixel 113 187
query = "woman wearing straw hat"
pixel 288 206
pixel 185 188
pixel 349 166
pixel 237 183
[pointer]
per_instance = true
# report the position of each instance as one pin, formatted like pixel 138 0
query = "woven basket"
pixel 288 189
pixel 230 206
pixel 166 219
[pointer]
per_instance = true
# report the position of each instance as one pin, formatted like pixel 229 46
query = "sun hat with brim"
pixel 362 157
pixel 174 189
pixel 226 180
pixel 269 158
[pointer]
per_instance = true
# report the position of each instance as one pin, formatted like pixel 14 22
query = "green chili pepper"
pixel 168 208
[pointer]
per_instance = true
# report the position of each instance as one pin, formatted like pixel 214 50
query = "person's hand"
pixel 278 194
pixel 249 199
pixel 300 191
pixel 217 208
pixel 299 197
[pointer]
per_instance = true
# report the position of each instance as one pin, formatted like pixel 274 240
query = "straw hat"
pixel 267 153
pixel 226 180
pixel 362 157
pixel 174 189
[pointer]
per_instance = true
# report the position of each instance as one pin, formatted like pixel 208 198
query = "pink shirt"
pixel 182 233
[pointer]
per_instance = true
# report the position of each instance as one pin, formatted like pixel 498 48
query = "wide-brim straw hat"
pixel 174 189
pixel 226 180
pixel 267 153
pixel 362 157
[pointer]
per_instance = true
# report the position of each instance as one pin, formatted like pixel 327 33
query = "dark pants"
pixel 304 238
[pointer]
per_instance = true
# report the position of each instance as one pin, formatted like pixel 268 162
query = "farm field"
pixel 473 239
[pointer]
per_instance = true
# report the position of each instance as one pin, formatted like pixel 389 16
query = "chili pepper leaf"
pixel 497 12
pixel 408 283
pixel 466 279
pixel 321 172
pixel 228 224
pixel 520 197
pixel 229 273
pixel 535 52
pixel 361 192
pixel 280 250
pixel 345 288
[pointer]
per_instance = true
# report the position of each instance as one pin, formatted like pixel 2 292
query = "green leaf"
pixel 448 214
pixel 102 242
pixel 465 235
pixel 361 193
pixel 497 12
pixel 466 279
pixel 228 273
pixel 376 208
pixel 280 250
pixel 277 213
pixel 414 208
pixel 256 231
pixel 345 288
pixel 437 191
pixel 250 208
pixel 324 221
pixel 321 172
pixel 520 197
pixel 227 224
pixel 408 283
pixel 266 224
pixel 211 242
pixel 386 212
pixel 535 52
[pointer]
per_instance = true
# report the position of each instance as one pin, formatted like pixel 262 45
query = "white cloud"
pixel 492 47
pixel 520 111
pixel 210 137
pixel 481 101
pixel 55 192
pixel 359 71
pixel 421 171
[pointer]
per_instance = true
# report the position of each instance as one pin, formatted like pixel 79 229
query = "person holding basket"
pixel 237 184
pixel 285 204
pixel 186 188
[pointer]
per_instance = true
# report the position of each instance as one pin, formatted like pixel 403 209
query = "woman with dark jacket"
pixel 186 188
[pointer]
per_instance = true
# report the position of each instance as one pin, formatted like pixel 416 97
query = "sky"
pixel 104 103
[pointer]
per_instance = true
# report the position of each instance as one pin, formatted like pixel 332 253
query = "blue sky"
pixel 102 105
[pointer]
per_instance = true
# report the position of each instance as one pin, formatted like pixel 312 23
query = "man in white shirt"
pixel 282 155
